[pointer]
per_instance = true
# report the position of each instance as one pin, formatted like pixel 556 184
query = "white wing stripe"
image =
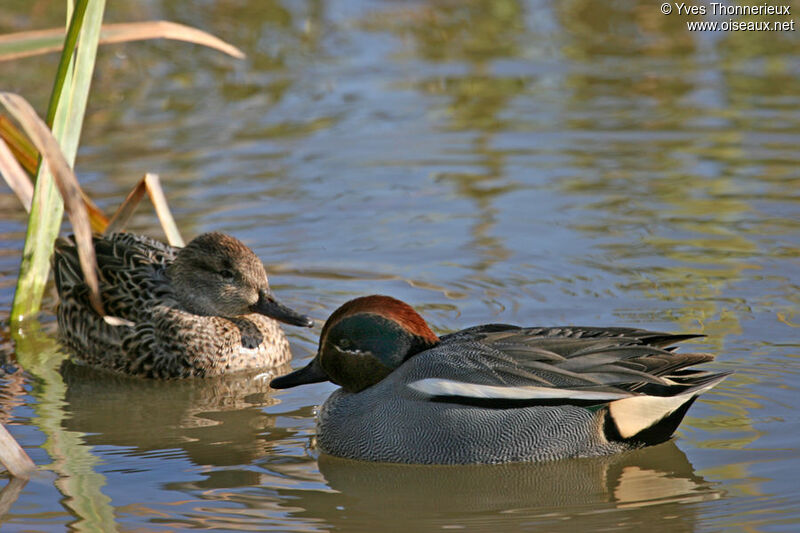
pixel 446 387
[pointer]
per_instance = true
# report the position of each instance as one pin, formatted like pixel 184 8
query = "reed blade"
pixel 27 157
pixel 156 193
pixel 65 117
pixel 22 149
pixel 15 176
pixel 124 212
pixel 56 164
pixel 151 184
pixel 13 457
pixel 31 43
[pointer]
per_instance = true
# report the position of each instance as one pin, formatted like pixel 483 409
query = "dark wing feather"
pixel 625 360
pixel 130 269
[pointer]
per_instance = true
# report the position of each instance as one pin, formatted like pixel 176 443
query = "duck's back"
pixel 481 396
pixel 155 337
pixel 131 273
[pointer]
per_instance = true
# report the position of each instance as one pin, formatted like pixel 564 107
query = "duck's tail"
pixel 647 419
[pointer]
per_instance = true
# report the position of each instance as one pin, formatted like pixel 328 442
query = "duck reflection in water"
pixel 566 495
pixel 213 422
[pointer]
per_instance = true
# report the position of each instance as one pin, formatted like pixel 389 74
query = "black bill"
pixel 267 305
pixel 311 373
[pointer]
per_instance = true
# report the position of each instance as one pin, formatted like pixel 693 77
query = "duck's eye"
pixel 226 274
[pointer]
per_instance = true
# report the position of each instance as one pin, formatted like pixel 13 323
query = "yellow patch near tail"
pixel 637 413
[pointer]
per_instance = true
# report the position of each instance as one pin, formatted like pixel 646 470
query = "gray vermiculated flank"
pixel 389 422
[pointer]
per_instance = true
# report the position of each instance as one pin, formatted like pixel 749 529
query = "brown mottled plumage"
pixel 202 310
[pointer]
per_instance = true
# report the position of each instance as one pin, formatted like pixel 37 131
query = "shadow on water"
pixel 562 495
pixel 213 422
pixel 39 354
pixel 89 415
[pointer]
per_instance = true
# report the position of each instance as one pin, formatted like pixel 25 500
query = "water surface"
pixel 539 163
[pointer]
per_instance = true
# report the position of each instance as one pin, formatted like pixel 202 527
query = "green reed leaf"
pixel 65 117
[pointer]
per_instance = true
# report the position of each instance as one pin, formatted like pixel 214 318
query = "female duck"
pixel 202 310
pixel 493 393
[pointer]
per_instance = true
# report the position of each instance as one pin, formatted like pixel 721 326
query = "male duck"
pixel 202 310
pixel 493 393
